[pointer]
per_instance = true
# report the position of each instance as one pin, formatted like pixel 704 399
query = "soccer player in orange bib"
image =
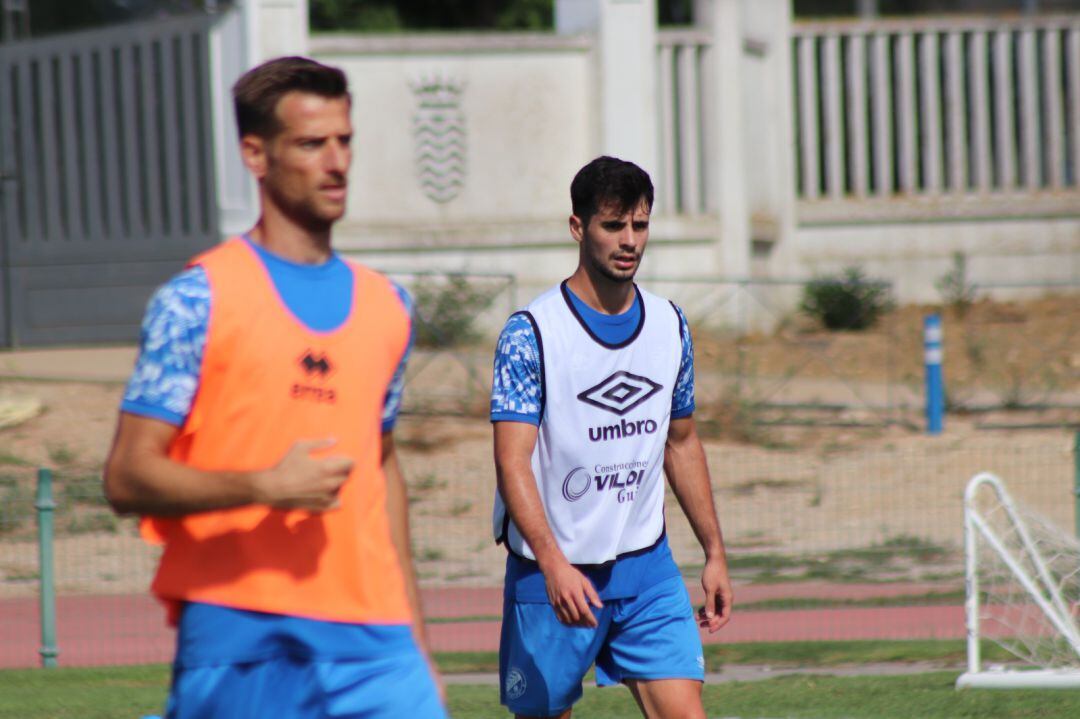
pixel 256 440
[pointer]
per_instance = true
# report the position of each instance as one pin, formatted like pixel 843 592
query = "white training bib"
pixel 599 454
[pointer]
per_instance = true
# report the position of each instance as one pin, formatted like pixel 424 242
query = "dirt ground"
pixel 815 493
pixel 851 503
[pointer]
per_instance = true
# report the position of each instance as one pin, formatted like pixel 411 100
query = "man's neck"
pixel 600 293
pixel 286 239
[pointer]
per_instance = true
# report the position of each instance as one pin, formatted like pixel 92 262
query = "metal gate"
pixel 106 176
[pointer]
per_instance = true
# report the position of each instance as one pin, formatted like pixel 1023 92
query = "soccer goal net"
pixel 1023 592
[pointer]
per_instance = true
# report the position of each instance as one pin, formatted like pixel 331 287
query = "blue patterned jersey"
pixel 166 374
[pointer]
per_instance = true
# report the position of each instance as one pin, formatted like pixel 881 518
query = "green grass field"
pixel 130 692
pixel 945 652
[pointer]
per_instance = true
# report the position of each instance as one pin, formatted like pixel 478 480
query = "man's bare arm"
pixel 141 478
pixel 569 591
pixel 397 507
pixel 688 473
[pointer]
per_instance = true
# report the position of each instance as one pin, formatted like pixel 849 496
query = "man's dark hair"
pixel 609 181
pixel 257 93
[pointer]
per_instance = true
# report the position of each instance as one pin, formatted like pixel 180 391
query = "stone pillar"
pixel 251 32
pixel 573 17
pixel 277 27
pixel 230 57
pixel 768 128
pixel 726 142
pixel 626 72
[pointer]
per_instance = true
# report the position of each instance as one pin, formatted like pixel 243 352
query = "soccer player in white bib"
pixel 592 405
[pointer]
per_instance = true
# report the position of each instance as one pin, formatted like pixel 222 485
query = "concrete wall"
pixel 524 117
pixel 914 255
pixel 504 121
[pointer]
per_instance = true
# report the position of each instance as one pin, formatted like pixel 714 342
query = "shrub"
pixel 846 302
pixel 445 311
pixel 16 504
pixel 954 286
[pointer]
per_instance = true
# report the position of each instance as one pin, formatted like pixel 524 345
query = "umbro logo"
pixel 316 364
pixel 620 392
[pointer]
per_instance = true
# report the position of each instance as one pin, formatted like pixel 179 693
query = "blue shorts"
pixel 542 662
pixel 237 664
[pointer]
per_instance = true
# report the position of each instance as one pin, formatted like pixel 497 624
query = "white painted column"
pixel 855 77
pixel 626 73
pixel 277 27
pixel 252 31
pixel 574 17
pixel 629 107
pixel 230 57
pixel 744 119
pixel 768 111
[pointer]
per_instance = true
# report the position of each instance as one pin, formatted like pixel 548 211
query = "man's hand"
pixel 300 481
pixel 718 596
pixel 568 590
pixel 571 593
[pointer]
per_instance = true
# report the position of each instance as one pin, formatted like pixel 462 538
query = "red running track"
pixel 130 629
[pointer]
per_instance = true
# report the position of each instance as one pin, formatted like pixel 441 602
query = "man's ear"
pixel 577 229
pixel 253 153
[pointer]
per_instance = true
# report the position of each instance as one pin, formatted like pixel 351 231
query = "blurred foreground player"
pixel 255 439
pixel 592 405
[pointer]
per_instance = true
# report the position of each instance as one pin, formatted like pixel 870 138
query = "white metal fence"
pixel 937 107
pixel 681 57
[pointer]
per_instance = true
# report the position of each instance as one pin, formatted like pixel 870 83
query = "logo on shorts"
pixel 701 662
pixel 576 484
pixel 620 392
pixel 515 684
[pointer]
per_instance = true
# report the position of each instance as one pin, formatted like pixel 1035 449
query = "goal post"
pixel 1023 592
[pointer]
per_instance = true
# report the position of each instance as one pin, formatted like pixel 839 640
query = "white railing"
pixel 937 108
pixel 681 61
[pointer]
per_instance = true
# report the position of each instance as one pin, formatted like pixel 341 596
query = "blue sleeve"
pixel 682 400
pixel 516 386
pixel 167 370
pixel 392 404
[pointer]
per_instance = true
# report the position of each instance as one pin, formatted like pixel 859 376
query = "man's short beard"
pixel 609 274
pixel 604 270
pixel 301 213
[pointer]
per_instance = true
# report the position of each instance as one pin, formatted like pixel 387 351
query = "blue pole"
pixel 935 385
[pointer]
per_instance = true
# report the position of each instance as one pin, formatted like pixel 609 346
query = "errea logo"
pixel 316 369
pixel 316 364
pixel 620 392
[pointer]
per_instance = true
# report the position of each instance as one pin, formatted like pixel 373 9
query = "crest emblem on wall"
pixel 440 137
